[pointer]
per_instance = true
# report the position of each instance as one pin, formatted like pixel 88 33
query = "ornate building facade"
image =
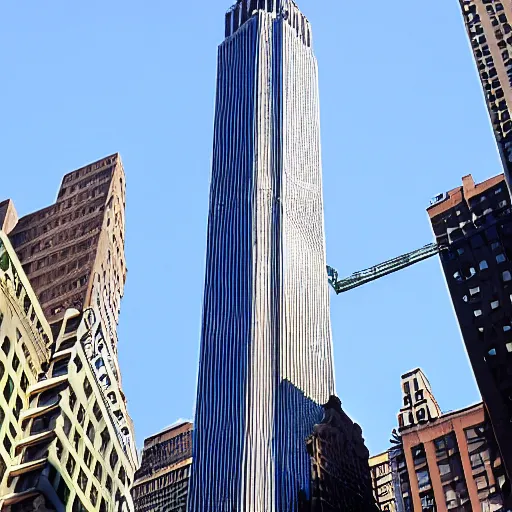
pixel 72 447
pixel 266 355
pixel 162 482
pixel 340 471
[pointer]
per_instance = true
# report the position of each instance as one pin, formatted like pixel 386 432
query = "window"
pixel 60 368
pixel 70 465
pixel 105 438
pixel 78 363
pixel 423 478
pixel 82 480
pixel 76 441
pixel 81 415
pixel 483 265
pixel 90 432
pixel 67 425
pixel 58 449
pixel 24 382
pixel 500 258
pixel 48 398
pixel 122 475
pixel 96 411
pixel 94 495
pixel 87 457
pixel 8 389
pixel 6 346
pixel 15 363
pixel 108 484
pixel 2 369
pixel 7 444
pixel 113 458
pixel 17 408
pixel 507 276
pixel 72 399
pixel 98 471
pixel 87 387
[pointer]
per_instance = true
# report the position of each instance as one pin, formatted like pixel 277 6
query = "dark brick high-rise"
pixel 473 224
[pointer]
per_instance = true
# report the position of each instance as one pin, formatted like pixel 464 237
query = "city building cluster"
pixel 269 433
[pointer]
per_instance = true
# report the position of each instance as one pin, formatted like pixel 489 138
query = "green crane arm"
pixel 383 269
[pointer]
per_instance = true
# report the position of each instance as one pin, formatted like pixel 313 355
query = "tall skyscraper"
pixel 266 355
pixel 67 442
pixel 161 482
pixel 488 24
pixel 473 224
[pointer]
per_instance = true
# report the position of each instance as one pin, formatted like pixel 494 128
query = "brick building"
pixel 473 226
pixel 452 459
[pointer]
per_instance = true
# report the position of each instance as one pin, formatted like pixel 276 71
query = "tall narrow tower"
pixel 266 355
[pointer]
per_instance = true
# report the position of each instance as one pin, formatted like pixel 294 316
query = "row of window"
pixel 73 176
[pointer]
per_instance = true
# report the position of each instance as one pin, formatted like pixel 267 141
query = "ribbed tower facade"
pixel 266 355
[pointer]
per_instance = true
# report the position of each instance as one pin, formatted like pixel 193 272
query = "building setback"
pixel 473 225
pixel 162 481
pixel 452 460
pixel 68 444
pixel 266 355
pixel 488 24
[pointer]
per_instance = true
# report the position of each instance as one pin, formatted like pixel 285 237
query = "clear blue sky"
pixel 402 119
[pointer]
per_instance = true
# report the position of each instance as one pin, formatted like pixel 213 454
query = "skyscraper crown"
pixel 243 10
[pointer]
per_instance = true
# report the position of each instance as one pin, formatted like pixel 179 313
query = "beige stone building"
pixel 382 482
pixel 66 439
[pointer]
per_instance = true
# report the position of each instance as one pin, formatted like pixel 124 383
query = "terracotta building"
pixel 452 460
pixel 162 481
pixel 67 439
pixel 473 226
pixel 488 25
